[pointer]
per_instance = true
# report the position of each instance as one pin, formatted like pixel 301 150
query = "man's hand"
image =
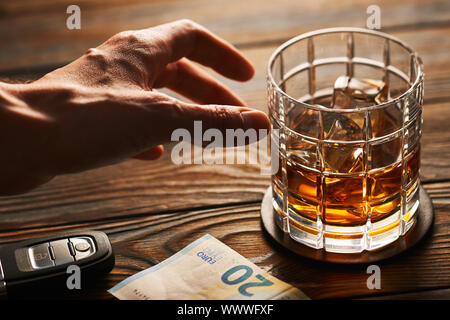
pixel 103 107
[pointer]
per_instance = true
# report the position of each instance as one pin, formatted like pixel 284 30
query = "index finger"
pixel 185 38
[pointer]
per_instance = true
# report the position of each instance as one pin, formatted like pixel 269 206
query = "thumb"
pixel 220 117
pixel 106 133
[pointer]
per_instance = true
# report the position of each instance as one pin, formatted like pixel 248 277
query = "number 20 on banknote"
pixel 227 278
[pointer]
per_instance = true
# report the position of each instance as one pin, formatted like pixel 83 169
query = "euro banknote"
pixel 205 269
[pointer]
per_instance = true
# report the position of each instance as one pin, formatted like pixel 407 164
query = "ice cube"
pixel 351 93
pixel 340 157
pixel 303 152
pixel 306 122
pixel 386 120
pixel 343 159
pixel 343 127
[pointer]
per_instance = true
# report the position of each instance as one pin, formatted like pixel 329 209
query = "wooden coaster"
pixel 423 223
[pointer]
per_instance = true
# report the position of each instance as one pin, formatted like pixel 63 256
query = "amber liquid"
pixel 346 201
pixel 347 196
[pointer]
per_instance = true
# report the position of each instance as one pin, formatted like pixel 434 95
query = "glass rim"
pixel 318 107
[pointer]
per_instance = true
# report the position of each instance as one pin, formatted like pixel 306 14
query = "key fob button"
pixel 40 256
pixel 84 247
pixel 61 252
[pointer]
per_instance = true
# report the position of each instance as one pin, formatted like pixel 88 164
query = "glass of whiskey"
pixel 346 104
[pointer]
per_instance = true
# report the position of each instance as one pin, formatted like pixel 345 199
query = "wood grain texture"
pixel 132 188
pixel 140 242
pixel 35 31
pixel 153 209
pixel 442 294
pixel 142 188
pixel 425 42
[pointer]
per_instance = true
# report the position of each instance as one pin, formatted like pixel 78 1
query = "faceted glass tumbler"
pixel 347 104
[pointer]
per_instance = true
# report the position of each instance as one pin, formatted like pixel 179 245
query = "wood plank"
pixel 131 188
pixel 135 187
pixel 35 33
pixel 140 242
pixel 442 294
pixel 425 42
pixel 435 143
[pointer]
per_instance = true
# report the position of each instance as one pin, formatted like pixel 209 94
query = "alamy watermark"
pixel 74 280
pixel 192 150
pixel 74 20
pixel 374 19
pixel 374 280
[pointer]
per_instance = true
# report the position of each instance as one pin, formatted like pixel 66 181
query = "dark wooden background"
pixel 150 210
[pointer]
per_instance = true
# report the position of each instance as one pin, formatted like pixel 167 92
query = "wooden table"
pixel 150 210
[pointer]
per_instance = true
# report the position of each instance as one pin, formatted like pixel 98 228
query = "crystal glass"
pixel 347 105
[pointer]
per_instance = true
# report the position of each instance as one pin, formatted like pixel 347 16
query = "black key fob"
pixel 54 264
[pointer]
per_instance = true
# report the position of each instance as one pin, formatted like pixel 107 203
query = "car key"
pixel 35 266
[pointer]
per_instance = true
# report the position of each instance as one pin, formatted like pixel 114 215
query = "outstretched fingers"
pixel 185 38
pixel 195 84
